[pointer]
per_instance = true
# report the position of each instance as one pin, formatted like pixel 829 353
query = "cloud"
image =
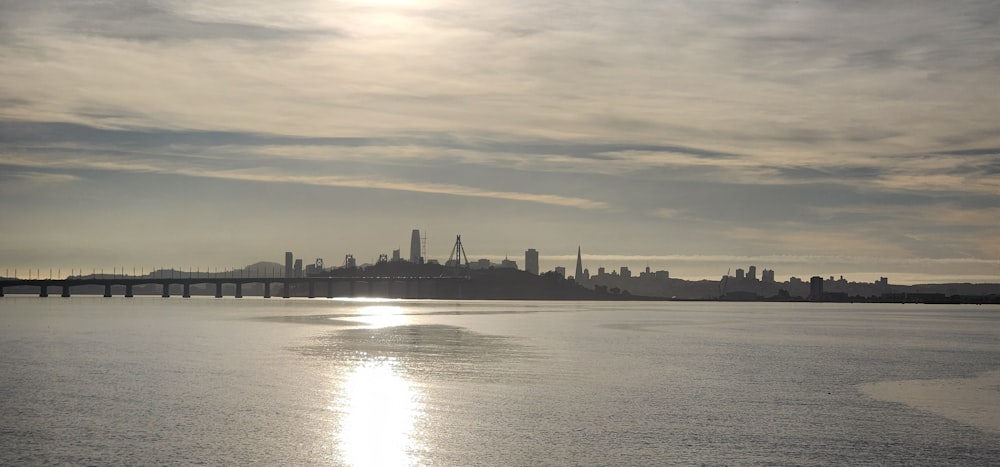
pixel 666 213
pixel 442 189
pixel 265 176
pixel 149 21
pixel 725 115
pixel 42 178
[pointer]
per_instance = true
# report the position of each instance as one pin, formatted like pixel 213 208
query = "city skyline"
pixel 810 138
pixel 292 266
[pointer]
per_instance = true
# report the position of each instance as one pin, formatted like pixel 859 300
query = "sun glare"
pixel 380 412
pixel 382 316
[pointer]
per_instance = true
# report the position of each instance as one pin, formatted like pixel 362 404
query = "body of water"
pixel 97 381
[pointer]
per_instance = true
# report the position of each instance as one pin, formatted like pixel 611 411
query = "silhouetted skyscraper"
pixel 752 273
pixel 579 264
pixel 767 275
pixel 531 261
pixel 415 253
pixel 288 263
pixel 816 288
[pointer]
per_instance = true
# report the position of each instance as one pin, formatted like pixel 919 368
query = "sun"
pixel 388 2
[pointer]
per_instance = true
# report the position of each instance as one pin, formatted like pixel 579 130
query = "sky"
pixel 811 137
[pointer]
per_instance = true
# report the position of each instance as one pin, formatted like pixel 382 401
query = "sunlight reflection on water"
pixel 382 316
pixel 380 413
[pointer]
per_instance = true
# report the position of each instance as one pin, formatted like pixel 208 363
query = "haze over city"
pixel 812 138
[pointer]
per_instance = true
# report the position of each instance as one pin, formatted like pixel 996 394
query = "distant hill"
pixel 264 268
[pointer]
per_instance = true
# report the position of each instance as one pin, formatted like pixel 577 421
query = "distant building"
pixel 816 288
pixel 289 258
pixel 600 271
pixel 767 275
pixel 298 268
pixel 316 268
pixel 740 274
pixel 625 273
pixel 586 273
pixel 483 263
pixel 396 256
pixel 752 274
pixel 508 264
pixel 662 275
pixel 561 271
pixel 882 282
pixel 415 253
pixel 531 261
pixel 579 264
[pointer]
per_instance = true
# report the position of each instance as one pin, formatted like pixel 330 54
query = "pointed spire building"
pixel 579 265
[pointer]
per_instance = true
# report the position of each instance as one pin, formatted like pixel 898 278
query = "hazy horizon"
pixel 816 137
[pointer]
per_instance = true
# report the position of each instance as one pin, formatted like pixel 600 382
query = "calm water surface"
pixel 89 380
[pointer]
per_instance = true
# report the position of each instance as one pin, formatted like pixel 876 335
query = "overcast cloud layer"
pixel 811 137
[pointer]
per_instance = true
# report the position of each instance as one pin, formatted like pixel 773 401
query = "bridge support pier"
pixel 218 290
pixel 43 291
pixel 239 290
pixel 285 292
pixel 107 290
pixel 128 291
pixel 65 291
pixel 329 289
pixel 187 291
pixel 312 289
pixel 267 290
pixel 1 291
pixel 166 291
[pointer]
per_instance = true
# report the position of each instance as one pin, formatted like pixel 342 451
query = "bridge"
pixel 353 286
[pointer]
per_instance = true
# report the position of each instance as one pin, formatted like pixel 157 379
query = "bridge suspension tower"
pixel 457 260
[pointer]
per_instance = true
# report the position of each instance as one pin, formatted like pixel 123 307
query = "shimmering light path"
pixel 380 410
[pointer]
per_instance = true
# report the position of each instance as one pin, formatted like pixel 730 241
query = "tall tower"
pixel 579 265
pixel 415 246
pixel 288 263
pixel 531 261
pixel 458 262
